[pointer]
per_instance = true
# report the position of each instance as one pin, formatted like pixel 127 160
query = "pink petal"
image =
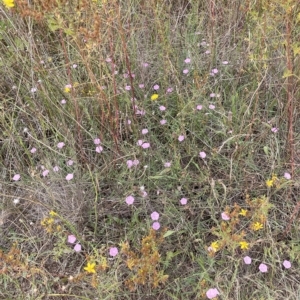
pixel 156 225
pixel 183 201
pixel 247 260
pixel 69 177
pixel 202 154
pixel 181 138
pixel 71 239
pixel 212 293
pixel 287 264
pixel 45 173
pixel 97 141
pixel 77 248
pixel 129 163
pixel 263 268
pixel 155 216
pixel 60 145
pixel 113 251
pixel 145 145
pixel 129 200
pixel 99 149
pixel 16 177
pixel 224 216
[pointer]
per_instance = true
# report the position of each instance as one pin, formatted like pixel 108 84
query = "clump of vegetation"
pixel 148 149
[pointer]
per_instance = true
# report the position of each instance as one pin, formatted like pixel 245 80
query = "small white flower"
pixel 16 201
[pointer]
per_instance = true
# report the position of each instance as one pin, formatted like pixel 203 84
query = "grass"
pixel 82 178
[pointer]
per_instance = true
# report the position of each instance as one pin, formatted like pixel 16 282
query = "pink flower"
pixel 146 145
pixel 211 106
pixel 128 122
pixel 169 90
pixel 113 251
pixel 129 163
pixel 55 168
pixel 97 141
pixel 224 216
pixel 181 138
pixel 69 177
pixel 287 175
pixel 129 200
pixel 70 162
pixel 185 71
pixel 140 142
pixel 274 129
pixel 145 65
pixel 63 101
pixel 71 239
pixel 145 131
pixel 167 164
pixel 135 162
pixel 215 71
pixel 108 59
pixel 140 112
pixel 212 95
pixel 183 201
pixel 77 248
pixel 33 150
pixel 16 177
pixel 45 173
pixel 263 268
pixel 225 62
pixel 60 145
pixel 202 154
pixel 247 260
pixel 99 149
pixel 163 122
pixel 156 87
pixel 187 60
pixel 155 216
pixel 156 225
pixel 199 107
pixel 74 66
pixel 141 85
pixel 162 108
pixel 127 87
pixel 212 293
pixel 207 52
pixel 287 264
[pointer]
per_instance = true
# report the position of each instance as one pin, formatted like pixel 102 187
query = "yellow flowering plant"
pixel 9 3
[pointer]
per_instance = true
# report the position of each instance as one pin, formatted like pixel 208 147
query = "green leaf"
pixel 287 73
pixel 53 24
pixel 168 233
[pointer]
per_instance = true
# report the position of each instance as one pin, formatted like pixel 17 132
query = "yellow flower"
pixel 244 245
pixel 90 267
pixel 52 213
pixel 214 246
pixel 154 97
pixel 243 212
pixel 67 90
pixel 9 3
pixel 257 226
pixel 269 182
